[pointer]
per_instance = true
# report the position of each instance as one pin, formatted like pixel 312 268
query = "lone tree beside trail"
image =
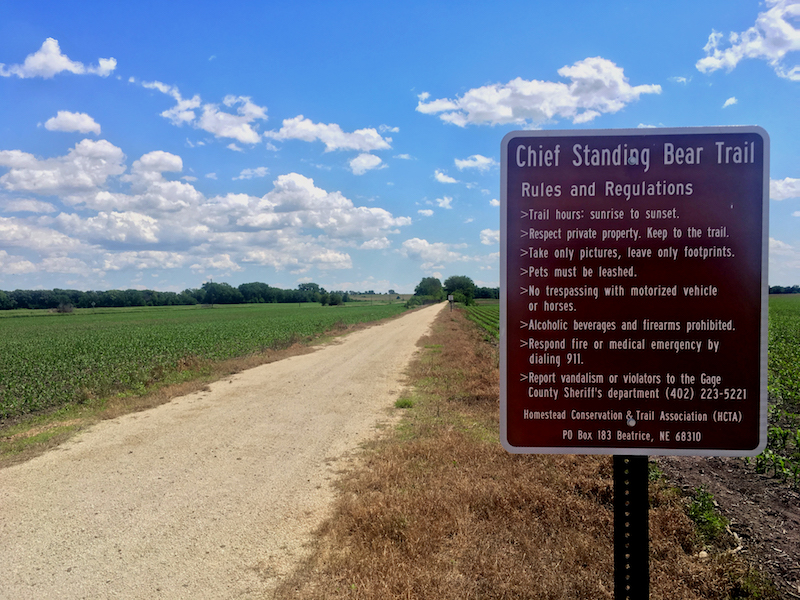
pixel 430 286
pixel 461 287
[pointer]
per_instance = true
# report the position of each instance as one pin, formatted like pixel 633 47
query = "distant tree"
pixel 392 292
pixel 258 292
pixel 6 302
pixel 221 293
pixel 335 299
pixel 309 287
pixel 461 285
pixel 185 298
pixel 20 298
pixel 134 298
pixel 459 282
pixel 111 298
pixel 486 292
pixel 310 292
pixel 429 286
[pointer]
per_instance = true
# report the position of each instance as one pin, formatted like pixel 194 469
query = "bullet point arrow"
pixel 524 233
pixel 523 251
pixel 523 325
pixel 523 271
pixel 523 343
pixel 524 214
pixel 523 290
pixel 523 377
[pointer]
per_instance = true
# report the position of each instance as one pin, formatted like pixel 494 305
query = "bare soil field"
pixel 764 512
pixel 213 495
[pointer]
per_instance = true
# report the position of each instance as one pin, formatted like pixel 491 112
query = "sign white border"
pixel 504 291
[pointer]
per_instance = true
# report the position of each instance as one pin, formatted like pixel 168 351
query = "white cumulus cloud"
pixel 490 236
pixel 476 161
pixel 122 227
pixel 113 218
pixel 443 178
pixel 771 38
pixel 183 111
pixel 730 102
pixel 15 265
pixel 242 126
pixel 223 262
pixel 330 134
pixel 85 167
pixel 430 255
pixel 141 260
pixel 781 189
pixel 445 202
pixel 251 173
pixel 365 162
pixel 376 244
pixel 784 262
pixel 49 61
pixel 24 234
pixel 596 86
pixel 28 205
pixel 70 121
pixel 295 202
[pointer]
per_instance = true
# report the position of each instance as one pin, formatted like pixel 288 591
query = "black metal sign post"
pixel 631 529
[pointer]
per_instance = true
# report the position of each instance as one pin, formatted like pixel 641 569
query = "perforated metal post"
pixel 631 529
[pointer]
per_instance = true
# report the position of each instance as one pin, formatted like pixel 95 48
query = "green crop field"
pixel 784 348
pixel 782 456
pixel 486 316
pixel 49 359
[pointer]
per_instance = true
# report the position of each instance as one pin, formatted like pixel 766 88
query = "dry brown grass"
pixel 439 510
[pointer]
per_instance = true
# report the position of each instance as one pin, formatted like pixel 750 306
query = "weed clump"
pixel 404 403
pixel 711 525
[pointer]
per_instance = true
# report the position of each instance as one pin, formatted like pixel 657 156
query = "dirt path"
pixel 210 496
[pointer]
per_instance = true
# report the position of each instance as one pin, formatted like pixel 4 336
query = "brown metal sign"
pixel 634 291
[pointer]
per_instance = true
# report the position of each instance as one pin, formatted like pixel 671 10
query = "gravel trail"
pixel 213 495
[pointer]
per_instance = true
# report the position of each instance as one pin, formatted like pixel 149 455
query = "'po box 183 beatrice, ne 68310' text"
pixel 633 310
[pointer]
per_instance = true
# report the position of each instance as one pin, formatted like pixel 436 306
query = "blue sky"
pixel 353 144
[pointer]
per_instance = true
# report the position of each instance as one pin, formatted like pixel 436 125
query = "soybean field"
pixel 487 316
pixel 48 359
pixel 782 456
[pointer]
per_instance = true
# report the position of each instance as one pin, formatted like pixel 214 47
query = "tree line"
pixel 461 287
pixel 208 293
pixel 779 289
